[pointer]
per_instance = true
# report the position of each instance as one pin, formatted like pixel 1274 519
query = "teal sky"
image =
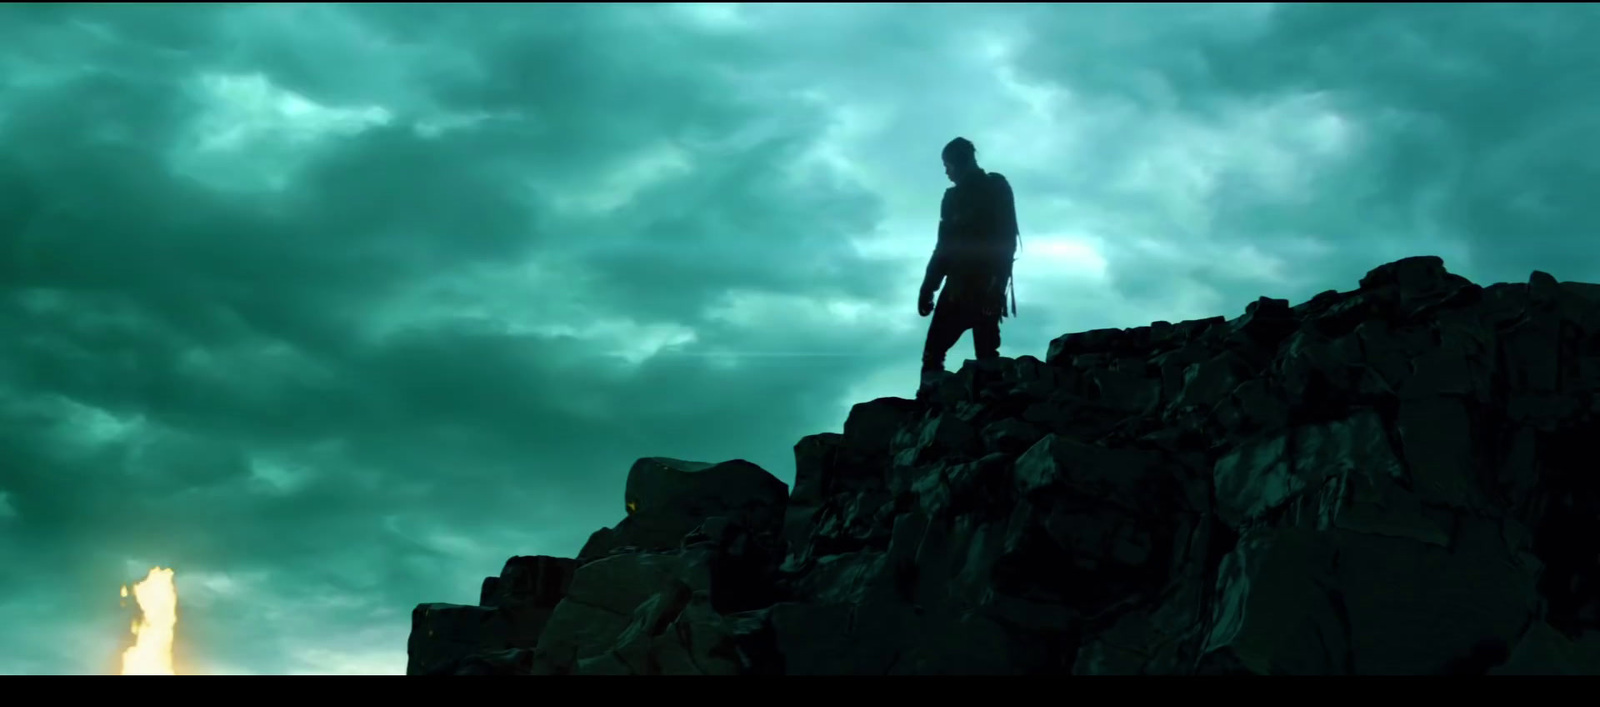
pixel 334 308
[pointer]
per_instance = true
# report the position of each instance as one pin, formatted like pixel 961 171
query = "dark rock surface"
pixel 1395 480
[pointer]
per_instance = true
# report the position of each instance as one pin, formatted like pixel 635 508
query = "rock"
pixel 871 425
pixel 1124 477
pixel 443 634
pixel 1418 609
pixel 1543 650
pixel 815 639
pixel 1421 281
pixel 526 592
pixel 1206 384
pixel 535 581
pixel 606 597
pixel 1010 436
pixel 1275 613
pixel 517 661
pixel 1266 321
pixel 1421 273
pixel 815 459
pixel 1194 329
pixel 667 498
pixel 1265 474
pixel 1391 480
pixel 946 437
pixel 1126 391
pixel 1064 349
pixel 1437 436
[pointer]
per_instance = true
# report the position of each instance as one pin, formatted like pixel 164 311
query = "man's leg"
pixel 986 338
pixel 943 333
pixel 986 346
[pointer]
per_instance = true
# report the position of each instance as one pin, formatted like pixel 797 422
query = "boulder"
pixel 667 498
pixel 443 635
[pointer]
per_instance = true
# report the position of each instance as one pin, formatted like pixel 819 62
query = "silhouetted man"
pixel 973 259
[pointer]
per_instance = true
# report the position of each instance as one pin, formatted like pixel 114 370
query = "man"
pixel 977 246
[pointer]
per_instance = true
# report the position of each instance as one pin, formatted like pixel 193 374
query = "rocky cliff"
pixel 1399 479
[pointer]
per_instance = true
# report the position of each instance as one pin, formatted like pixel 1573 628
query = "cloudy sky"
pixel 334 308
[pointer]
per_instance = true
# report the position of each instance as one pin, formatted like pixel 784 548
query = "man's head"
pixel 960 158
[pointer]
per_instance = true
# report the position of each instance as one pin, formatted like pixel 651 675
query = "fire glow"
pixel 153 631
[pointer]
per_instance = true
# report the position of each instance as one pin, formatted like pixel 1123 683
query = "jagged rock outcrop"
pixel 1395 480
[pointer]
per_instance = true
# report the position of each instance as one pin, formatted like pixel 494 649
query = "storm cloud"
pixel 333 308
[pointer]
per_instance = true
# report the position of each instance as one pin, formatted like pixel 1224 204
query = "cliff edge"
pixel 1400 479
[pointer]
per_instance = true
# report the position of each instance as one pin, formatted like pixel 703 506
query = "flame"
pixel 151 653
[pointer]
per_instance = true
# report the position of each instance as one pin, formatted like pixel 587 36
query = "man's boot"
pixel 928 390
